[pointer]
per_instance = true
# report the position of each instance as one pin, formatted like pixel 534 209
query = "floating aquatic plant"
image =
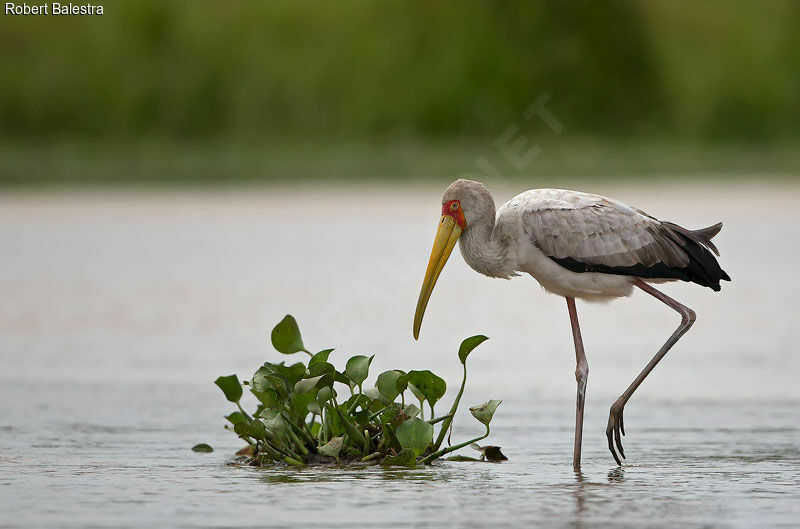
pixel 312 413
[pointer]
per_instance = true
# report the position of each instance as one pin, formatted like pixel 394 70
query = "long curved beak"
pixel 446 237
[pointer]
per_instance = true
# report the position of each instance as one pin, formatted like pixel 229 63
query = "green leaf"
pixel 320 368
pixel 323 368
pixel 286 336
pixel 410 411
pixel 273 420
pixel 258 430
pixel 401 384
pixel 307 384
pixel 292 374
pixel 352 432
pixel 389 439
pixel 376 396
pixel 202 447
pixel 321 356
pixel 332 447
pixel 268 397
pixel 357 368
pixel 274 376
pixel 231 387
pixel 358 401
pixel 242 429
pixel 387 383
pixel 300 403
pixel 406 458
pixel 325 394
pixel 362 418
pixel 428 384
pixel 254 429
pixel 261 380
pixel 417 393
pixel 237 417
pixel 390 414
pixel 342 378
pixel 314 427
pixel 415 434
pixel 485 411
pixel 468 345
pixel 461 458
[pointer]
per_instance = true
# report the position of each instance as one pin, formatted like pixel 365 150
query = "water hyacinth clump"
pixel 314 413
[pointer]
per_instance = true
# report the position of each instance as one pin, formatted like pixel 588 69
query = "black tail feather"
pixel 703 267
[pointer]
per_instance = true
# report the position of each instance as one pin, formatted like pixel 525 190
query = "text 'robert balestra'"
pixel 53 9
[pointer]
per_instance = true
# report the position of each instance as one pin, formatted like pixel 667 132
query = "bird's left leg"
pixel 616 427
pixel 581 376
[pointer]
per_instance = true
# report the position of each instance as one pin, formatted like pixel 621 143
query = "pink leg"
pixel 582 376
pixel 616 427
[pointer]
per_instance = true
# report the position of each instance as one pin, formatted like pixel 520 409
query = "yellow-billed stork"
pixel 576 245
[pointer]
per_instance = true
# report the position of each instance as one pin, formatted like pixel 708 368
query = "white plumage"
pixel 545 223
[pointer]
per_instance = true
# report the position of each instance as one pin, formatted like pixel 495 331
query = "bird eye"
pixel 454 206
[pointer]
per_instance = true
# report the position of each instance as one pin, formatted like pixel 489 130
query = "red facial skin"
pixel 453 209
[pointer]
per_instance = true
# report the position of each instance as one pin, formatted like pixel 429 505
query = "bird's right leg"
pixel 616 427
pixel 581 376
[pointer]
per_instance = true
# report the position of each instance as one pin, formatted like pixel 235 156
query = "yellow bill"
pixel 446 237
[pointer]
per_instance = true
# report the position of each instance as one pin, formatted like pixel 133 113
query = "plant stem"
pixel 300 423
pixel 453 448
pixel 271 451
pixel 378 413
pixel 352 432
pixel 298 431
pixel 352 407
pixel 440 419
pixel 298 443
pixel 323 431
pixel 283 449
pixel 448 420
pixel 295 455
pixel 243 412
pixel 294 462
pixel 321 428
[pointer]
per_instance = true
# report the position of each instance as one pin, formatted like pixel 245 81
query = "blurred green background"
pixel 284 91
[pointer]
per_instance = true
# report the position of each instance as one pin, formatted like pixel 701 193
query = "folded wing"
pixel 596 234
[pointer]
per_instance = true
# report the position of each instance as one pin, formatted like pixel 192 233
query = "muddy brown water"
pixel 119 310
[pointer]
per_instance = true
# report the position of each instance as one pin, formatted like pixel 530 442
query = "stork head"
pixel 464 202
pixel 475 200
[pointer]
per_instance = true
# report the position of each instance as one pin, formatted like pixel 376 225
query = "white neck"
pixel 482 251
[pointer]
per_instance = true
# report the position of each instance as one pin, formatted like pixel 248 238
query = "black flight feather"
pixel 702 267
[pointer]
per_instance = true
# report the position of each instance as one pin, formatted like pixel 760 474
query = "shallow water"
pixel 120 310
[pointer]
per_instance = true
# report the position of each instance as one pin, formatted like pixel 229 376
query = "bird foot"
pixel 615 430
